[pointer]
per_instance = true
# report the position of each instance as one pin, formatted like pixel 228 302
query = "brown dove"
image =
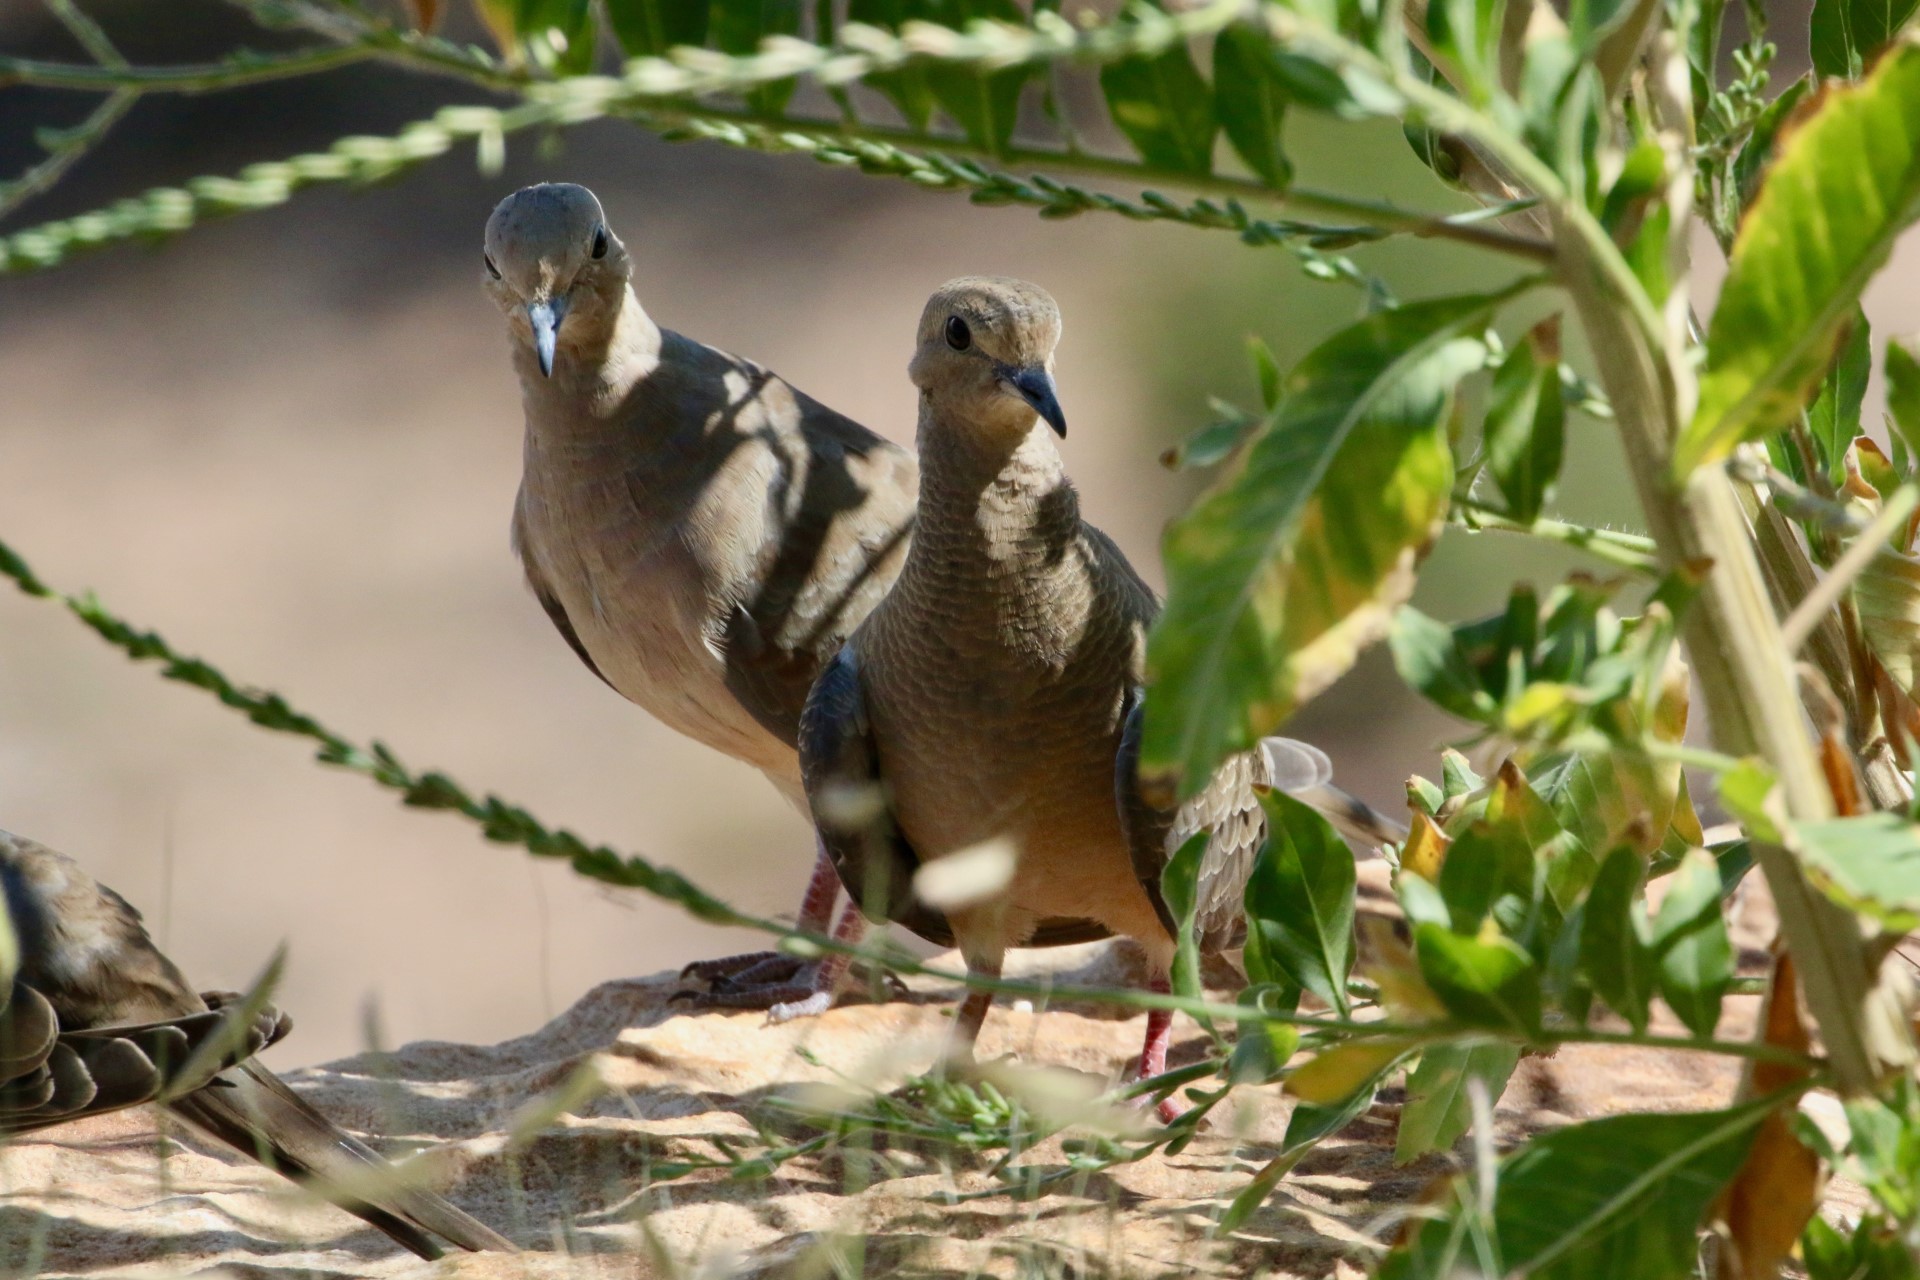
pixel 991 701
pixel 702 534
pixel 93 1018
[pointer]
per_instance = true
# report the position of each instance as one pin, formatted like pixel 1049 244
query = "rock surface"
pixel 593 1194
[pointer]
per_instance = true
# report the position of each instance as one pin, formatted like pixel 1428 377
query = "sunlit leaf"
pixel 1619 1197
pixel 1870 863
pixel 1287 568
pixel 1846 183
pixel 1690 938
pixel 1491 984
pixel 1300 899
pixel 1250 99
pixel 1437 1110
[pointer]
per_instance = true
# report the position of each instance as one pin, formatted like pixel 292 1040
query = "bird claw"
pixel 739 966
pixel 789 1011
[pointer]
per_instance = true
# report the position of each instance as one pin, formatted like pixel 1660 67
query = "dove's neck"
pixel 992 503
pixel 604 352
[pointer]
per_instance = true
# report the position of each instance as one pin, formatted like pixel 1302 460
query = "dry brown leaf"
pixel 1769 1201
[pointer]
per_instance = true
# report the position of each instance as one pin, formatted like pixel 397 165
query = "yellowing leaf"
pixel 1295 560
pixel 1846 183
pixel 1339 1072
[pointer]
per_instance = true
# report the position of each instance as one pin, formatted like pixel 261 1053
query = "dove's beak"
pixel 1035 386
pixel 545 317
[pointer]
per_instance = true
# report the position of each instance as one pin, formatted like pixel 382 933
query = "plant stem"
pixel 1629 550
pixel 189 78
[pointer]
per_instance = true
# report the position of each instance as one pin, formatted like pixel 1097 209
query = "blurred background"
pixel 290 443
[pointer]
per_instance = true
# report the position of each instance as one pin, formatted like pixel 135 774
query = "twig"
pixel 1629 550
pixel 73 144
pixel 1811 611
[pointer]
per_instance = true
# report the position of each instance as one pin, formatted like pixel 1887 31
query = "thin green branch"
pixel 85 30
pixel 1812 610
pixel 1629 550
pixel 68 147
pixel 243 68
pixel 169 211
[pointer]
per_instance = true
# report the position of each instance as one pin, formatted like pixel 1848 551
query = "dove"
pixel 93 1018
pixel 703 535
pixel 993 698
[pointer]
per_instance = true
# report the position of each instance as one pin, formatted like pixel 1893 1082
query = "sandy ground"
pixel 592 1197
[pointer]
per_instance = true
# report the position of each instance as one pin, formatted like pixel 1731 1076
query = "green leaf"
pixel 1312 1121
pixel 559 32
pixel 1164 107
pixel 1616 941
pixel 1489 866
pixel 1250 99
pixel 1870 863
pixel 1261 1050
pixel 1757 153
pixel 1843 35
pixel 1428 659
pixel 1215 442
pixel 648 28
pixel 1294 562
pixel 1690 938
pixel 738 28
pixel 1903 392
pixel 1618 1197
pixel 1267 369
pixel 1527 424
pixel 1846 183
pixel 1308 1124
pixel 1834 417
pixel 1178 883
pixel 1437 1110
pixel 1300 899
pixel 986 105
pixel 905 87
pixel 1489 984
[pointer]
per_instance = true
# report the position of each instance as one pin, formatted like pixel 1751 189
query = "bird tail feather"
pixel 251 1110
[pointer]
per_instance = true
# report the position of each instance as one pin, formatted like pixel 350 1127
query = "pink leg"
pixel 1153 1054
pixel 823 890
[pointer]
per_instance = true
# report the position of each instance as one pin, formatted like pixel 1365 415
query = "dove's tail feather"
pixel 1352 815
pixel 1303 771
pixel 254 1112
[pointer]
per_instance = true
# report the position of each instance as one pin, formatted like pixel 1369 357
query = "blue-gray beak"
pixel 545 317
pixel 1035 386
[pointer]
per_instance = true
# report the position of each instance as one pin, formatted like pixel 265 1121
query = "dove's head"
pixel 985 355
pixel 555 268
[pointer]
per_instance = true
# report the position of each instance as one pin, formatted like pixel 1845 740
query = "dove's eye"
pixel 599 242
pixel 959 337
pixel 491 269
